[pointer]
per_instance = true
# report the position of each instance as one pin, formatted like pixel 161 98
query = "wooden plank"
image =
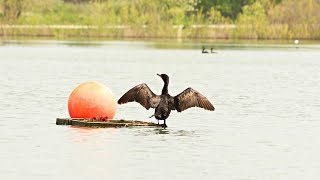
pixel 104 124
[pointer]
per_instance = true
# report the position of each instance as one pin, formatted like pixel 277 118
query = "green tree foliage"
pixel 228 8
pixel 253 21
pixel 301 17
pixel 253 18
pixel 11 9
pixel 215 17
pixel 172 11
pixel 76 1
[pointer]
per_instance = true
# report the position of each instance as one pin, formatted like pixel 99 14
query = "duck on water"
pixel 164 103
pixel 205 51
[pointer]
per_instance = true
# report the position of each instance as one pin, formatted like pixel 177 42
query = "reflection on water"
pixel 266 121
pixel 161 131
pixel 167 44
pixel 173 132
pixel 147 131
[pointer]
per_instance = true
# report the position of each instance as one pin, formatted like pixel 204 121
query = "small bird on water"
pixel 296 42
pixel 204 50
pixel 164 103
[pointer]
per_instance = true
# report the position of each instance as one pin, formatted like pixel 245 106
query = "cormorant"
pixel 203 50
pixel 164 103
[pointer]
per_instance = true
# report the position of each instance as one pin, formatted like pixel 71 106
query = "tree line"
pixel 11 9
pixel 253 18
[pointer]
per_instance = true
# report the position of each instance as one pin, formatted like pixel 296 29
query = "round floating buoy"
pixel 92 100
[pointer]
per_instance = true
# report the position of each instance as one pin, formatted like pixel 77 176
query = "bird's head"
pixel 164 77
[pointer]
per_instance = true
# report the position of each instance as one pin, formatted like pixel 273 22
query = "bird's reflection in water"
pixel 169 131
pixel 184 133
pixel 174 132
pixel 152 131
pixel 161 131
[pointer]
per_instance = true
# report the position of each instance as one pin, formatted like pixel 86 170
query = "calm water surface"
pixel 266 124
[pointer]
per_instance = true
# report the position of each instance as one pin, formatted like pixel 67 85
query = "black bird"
pixel 203 50
pixel 164 103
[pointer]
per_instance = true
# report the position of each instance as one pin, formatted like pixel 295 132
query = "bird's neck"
pixel 165 88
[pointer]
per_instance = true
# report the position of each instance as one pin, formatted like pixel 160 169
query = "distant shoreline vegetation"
pixel 186 19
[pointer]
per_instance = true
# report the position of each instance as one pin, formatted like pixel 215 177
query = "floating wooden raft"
pixel 103 124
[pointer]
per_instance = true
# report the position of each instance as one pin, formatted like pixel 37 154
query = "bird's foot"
pixel 152 116
pixel 164 126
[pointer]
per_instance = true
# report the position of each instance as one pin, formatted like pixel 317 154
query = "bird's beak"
pixel 159 75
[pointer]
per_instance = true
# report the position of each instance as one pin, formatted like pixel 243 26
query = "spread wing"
pixel 141 94
pixel 191 98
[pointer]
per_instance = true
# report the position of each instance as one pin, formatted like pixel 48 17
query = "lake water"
pixel 266 124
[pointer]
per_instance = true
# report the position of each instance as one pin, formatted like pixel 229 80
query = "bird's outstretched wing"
pixel 191 98
pixel 141 94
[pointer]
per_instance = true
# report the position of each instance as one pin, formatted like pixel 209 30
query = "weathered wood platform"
pixel 104 124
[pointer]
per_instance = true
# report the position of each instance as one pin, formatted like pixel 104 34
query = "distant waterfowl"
pixel 296 42
pixel 212 51
pixel 164 103
pixel 203 50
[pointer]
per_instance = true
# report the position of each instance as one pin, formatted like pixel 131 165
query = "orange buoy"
pixel 92 100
